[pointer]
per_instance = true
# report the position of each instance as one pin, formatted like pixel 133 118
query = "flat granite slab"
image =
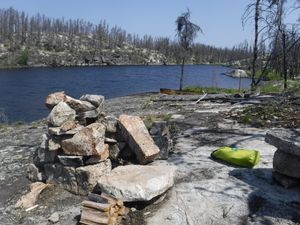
pixel 285 140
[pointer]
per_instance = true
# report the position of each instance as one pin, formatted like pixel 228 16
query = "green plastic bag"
pixel 239 157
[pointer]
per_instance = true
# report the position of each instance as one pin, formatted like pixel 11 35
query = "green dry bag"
pixel 239 157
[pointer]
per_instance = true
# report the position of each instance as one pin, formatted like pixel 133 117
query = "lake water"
pixel 23 91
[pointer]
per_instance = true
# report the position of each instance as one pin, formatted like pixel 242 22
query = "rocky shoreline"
pixel 205 191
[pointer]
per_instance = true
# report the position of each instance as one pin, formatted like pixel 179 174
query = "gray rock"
pixel 96 100
pixel 74 161
pixel 94 159
pixel 137 183
pixel 69 125
pixel 60 114
pixel 63 176
pixel 121 145
pixel 237 73
pixel 284 180
pixel 164 144
pixel 55 98
pixel 87 176
pixel 43 156
pixel 114 151
pixel 79 105
pixel 53 145
pixel 159 128
pixel 162 138
pixel 59 132
pixel 88 141
pixel 54 218
pixel 49 143
pixel 33 173
pixel 93 114
pixel 138 138
pixel 285 140
pixel 111 124
pixel 286 164
pixel 127 153
pixel 177 117
pixel 45 140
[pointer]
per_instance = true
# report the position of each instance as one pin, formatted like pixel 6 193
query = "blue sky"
pixel 219 19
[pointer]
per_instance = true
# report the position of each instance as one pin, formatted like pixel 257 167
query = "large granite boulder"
pixel 138 138
pixel 88 141
pixel 60 114
pixel 285 140
pixel 55 98
pixel 137 183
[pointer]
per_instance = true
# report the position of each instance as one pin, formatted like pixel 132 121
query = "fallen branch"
pixel 201 98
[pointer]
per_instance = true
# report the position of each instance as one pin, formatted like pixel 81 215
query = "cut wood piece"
pixel 122 211
pixel 94 216
pixel 97 198
pixel 111 199
pixel 113 221
pixel 94 205
pixel 87 222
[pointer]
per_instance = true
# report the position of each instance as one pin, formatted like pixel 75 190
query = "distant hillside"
pixel 42 41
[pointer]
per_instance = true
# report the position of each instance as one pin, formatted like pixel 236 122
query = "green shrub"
pixel 211 90
pixel 149 119
pixel 23 59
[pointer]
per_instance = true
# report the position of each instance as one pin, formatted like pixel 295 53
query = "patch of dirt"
pixel 283 112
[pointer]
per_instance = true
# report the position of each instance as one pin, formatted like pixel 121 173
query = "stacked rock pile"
pixel 286 161
pixel 81 142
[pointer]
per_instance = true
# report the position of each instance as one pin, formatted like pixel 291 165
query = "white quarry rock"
pixel 60 114
pixel 137 183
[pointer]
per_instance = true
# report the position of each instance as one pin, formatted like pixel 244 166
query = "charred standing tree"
pixel 186 32
pixel 255 47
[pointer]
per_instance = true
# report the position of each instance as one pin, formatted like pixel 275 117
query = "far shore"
pixel 104 65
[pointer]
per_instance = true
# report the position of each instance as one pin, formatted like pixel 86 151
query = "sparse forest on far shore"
pixel 42 41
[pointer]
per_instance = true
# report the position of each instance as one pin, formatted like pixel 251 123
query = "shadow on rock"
pixel 268 200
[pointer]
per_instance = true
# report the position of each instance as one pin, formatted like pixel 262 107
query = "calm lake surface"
pixel 23 91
